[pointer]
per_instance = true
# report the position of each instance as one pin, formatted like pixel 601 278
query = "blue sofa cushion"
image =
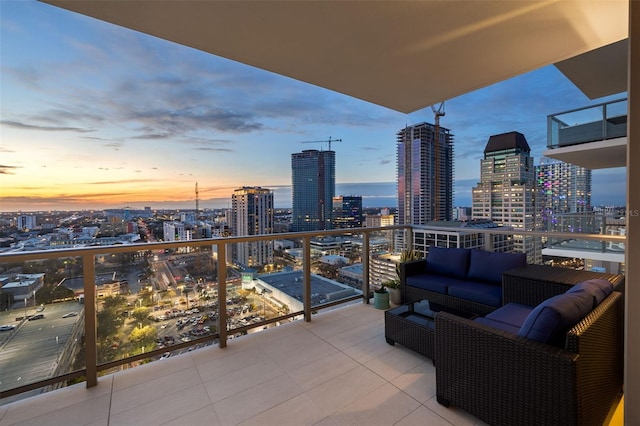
pixel 549 321
pixel 497 324
pixel 488 266
pixel 433 282
pixel 598 288
pixel 452 262
pixel 513 314
pixel 487 294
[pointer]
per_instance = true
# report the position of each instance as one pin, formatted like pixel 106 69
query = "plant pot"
pixel 395 296
pixel 381 300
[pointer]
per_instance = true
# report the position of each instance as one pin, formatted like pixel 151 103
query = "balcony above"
pixel 594 137
pixel 381 52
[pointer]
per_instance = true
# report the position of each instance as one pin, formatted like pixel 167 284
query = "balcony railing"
pixel 176 302
pixel 594 123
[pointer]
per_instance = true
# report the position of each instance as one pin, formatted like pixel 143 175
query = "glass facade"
pixel 313 176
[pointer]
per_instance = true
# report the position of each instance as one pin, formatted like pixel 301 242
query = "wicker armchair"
pixel 504 379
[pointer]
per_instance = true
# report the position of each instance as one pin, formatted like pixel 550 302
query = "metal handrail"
pixel 92 367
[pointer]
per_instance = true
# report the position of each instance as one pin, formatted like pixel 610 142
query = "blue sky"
pixel 93 115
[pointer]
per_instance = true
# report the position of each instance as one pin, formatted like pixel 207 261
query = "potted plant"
pixel 393 287
pixel 381 298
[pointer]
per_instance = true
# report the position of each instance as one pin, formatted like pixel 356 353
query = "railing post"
pixel 222 294
pixel 408 239
pixel 306 278
pixel 365 268
pixel 90 323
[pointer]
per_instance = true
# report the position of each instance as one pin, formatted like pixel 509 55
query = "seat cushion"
pixel 598 288
pixel 549 321
pixel 497 324
pixel 452 262
pixel 488 266
pixel 513 314
pixel 433 282
pixel 487 294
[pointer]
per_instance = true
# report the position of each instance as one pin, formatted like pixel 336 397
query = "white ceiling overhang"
pixel 404 55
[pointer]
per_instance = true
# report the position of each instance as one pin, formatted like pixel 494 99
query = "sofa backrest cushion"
pixel 453 262
pixel 598 288
pixel 488 266
pixel 550 320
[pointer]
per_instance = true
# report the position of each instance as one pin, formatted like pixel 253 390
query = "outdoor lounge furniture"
pixel 520 366
pixel 469 280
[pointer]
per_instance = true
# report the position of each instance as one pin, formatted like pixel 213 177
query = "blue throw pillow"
pixel 550 320
pixel 597 287
pixel 448 261
pixel 488 266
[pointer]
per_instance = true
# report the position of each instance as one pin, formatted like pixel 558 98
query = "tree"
pixel 140 314
pixel 143 336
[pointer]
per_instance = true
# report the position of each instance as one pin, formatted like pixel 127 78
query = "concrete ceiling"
pixel 404 55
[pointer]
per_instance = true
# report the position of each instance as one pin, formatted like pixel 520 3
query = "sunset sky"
pixel 97 116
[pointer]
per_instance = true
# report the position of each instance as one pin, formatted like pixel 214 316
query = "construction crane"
pixel 325 141
pixel 436 141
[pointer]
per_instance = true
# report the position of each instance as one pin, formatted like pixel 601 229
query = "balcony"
pixel 594 137
pixel 336 369
pixel 328 362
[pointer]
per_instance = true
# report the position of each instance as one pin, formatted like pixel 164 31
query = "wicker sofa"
pixel 507 379
pixel 467 280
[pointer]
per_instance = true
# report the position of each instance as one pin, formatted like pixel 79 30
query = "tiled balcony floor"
pixel 336 370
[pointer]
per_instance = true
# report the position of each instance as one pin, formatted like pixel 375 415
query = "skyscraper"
pixel 313 176
pixel 425 174
pixel 252 215
pixel 347 211
pixel 506 191
pixel 563 188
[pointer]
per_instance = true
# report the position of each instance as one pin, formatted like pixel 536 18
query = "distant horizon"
pixel 374 194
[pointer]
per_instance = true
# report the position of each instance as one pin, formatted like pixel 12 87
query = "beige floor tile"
pixel 235 359
pixel 164 408
pixel 82 413
pixel 154 389
pixel 384 406
pixel 294 412
pixel 341 391
pixel 42 405
pixel 423 416
pixel 219 388
pixel 204 416
pixel 369 349
pixel 397 361
pixel 322 370
pixel 298 350
pixel 419 382
pixel 251 402
pixel 355 335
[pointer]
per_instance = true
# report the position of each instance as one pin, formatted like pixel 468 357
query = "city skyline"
pixel 96 116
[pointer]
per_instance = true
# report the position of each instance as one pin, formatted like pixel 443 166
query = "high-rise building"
pixel 252 215
pixel 379 220
pixel 176 231
pixel 563 188
pixel 26 222
pixel 313 176
pixel 347 211
pixel 506 191
pixel 425 174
